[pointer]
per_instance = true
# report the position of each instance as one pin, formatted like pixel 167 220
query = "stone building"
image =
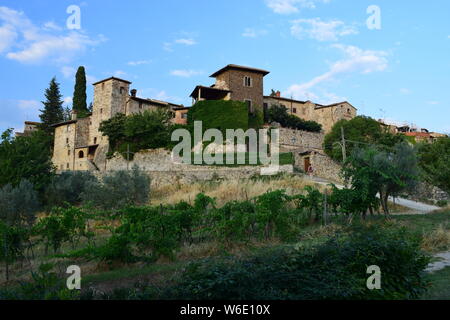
pixel 326 115
pixel 234 82
pixel 79 145
pixel 246 84
pixel 29 128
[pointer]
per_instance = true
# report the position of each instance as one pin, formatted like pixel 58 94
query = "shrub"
pixel 279 114
pixel 335 269
pixel 18 205
pixel 118 190
pixel 68 187
pixel 44 285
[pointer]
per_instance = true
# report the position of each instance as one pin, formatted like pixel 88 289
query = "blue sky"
pixel 320 50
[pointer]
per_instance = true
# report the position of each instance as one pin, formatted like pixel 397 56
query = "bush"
pixel 279 114
pixel 118 190
pixel 68 187
pixel 18 205
pixel 334 270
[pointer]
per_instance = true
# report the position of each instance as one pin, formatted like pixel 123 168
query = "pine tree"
pixel 53 109
pixel 79 95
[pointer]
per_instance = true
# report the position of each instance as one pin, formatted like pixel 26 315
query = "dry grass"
pixel 436 240
pixel 229 190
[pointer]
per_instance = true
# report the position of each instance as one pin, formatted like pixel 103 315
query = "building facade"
pixel 79 144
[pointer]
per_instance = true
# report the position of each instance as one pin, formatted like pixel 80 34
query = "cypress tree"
pixel 79 95
pixel 53 107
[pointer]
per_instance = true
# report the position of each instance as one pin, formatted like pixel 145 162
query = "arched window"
pixel 81 154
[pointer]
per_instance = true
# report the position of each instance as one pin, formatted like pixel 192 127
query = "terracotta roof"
pixel 207 88
pixel 320 106
pixel 285 99
pixel 32 122
pixel 237 67
pixel 63 123
pixel 111 78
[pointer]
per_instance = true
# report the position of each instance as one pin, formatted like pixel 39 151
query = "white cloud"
pixel 321 30
pixel 68 72
pixel 29 105
pixel 356 60
pixel 292 6
pixel 253 33
pixel 185 73
pixel 24 42
pixel 68 100
pixel 433 103
pixel 138 63
pixel 187 42
pixel 120 73
pixel 50 25
pixel 405 91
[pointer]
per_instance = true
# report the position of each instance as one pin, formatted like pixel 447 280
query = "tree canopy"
pixel 79 95
pixel 53 111
pixel 434 160
pixel 277 113
pixel 359 131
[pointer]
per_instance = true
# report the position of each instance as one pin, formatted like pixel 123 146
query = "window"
pixel 67 166
pixel 101 110
pixel 184 116
pixel 247 81
pixel 348 110
pixel 294 110
pixel 81 154
pixel 121 90
pixel 95 140
pixel 140 105
pixel 249 106
pixel 68 152
pixel 67 140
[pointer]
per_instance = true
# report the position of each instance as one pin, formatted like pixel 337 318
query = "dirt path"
pixel 444 261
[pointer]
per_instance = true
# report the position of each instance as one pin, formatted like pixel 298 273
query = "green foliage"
pixel 220 114
pixel 67 188
pixel 312 202
pixel 118 190
pixel 147 130
pixel 79 95
pixel 360 129
pixel 388 173
pixel 277 113
pixel 44 285
pixel 61 226
pixel 335 270
pixel 53 107
pixel 12 242
pixel 26 158
pixel 434 160
pixel 19 205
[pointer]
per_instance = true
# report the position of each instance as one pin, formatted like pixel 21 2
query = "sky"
pixel 390 59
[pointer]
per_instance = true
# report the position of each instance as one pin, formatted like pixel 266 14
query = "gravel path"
pixel 418 207
pixel 444 261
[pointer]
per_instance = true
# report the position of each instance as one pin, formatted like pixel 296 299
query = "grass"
pixel 440 289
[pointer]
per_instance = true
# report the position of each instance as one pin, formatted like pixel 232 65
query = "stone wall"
pixel 426 192
pixel 323 166
pixel 300 140
pixel 164 170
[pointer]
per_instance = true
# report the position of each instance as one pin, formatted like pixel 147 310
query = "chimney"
pixel 278 93
pixel 133 92
pixel 74 114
